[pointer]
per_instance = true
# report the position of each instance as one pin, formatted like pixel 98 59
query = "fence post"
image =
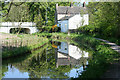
pixel 21 43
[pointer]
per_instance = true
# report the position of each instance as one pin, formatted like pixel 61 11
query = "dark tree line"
pixel 104 19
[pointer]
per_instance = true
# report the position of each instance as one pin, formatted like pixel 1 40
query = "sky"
pixel 81 1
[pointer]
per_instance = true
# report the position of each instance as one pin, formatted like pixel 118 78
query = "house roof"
pixel 71 10
pixel 65 18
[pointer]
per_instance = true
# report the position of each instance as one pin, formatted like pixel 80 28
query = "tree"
pixel 42 13
pixel 105 18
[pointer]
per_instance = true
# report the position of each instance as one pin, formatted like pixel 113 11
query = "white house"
pixel 29 27
pixel 71 17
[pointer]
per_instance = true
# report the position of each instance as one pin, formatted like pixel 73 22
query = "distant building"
pixel 28 27
pixel 71 17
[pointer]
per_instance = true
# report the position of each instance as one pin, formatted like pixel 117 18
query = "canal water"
pixel 54 60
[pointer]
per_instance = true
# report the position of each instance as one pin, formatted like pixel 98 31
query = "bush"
pixel 86 29
pixel 46 28
pixel 57 29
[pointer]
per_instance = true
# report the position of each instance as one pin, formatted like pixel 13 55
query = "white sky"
pixel 81 1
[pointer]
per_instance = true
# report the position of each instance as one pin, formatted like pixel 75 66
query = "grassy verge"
pixel 111 39
pixel 43 34
pixel 25 44
pixel 23 57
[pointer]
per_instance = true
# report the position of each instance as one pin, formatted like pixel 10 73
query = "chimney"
pixel 56 14
pixel 57 6
pixel 71 5
pixel 84 4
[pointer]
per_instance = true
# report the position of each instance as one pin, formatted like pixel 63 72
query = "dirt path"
pixel 113 71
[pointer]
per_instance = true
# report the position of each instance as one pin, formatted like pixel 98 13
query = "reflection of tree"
pixel 4 69
pixel 39 65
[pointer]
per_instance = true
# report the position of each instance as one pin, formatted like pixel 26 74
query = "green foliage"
pixel 46 28
pixel 4 69
pixel 21 36
pixel 42 13
pixel 18 14
pixel 104 20
pixel 43 34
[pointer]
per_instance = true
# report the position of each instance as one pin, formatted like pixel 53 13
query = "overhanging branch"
pixel 8 10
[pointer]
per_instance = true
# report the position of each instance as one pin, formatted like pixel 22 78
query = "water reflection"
pixel 68 54
pixel 13 72
pixel 57 60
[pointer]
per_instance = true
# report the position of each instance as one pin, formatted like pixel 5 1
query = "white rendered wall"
pixel 15 24
pixel 7 29
pixel 6 26
pixel 33 30
pixel 86 19
pixel 64 25
pixel 4 29
pixel 76 21
pixel 59 16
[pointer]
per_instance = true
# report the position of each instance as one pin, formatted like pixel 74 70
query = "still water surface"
pixel 56 60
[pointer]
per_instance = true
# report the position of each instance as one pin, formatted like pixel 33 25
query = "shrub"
pixel 46 28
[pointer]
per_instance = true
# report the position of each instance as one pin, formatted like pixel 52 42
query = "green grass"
pixel 111 39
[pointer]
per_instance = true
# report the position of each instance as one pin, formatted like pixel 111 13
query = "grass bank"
pixel 22 45
pixel 102 54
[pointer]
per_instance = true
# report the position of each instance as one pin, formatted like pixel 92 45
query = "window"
pixel 65 48
pixel 60 47
pixel 59 25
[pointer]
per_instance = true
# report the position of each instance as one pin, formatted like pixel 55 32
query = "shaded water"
pixel 55 60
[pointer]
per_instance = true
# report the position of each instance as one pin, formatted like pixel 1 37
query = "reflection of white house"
pixel 72 51
pixel 76 53
pixel 29 27
pixel 71 17
pixel 69 54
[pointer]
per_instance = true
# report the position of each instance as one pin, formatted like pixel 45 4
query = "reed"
pixel 14 47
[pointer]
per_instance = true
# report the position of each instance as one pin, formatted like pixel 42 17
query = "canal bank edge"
pixel 23 50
